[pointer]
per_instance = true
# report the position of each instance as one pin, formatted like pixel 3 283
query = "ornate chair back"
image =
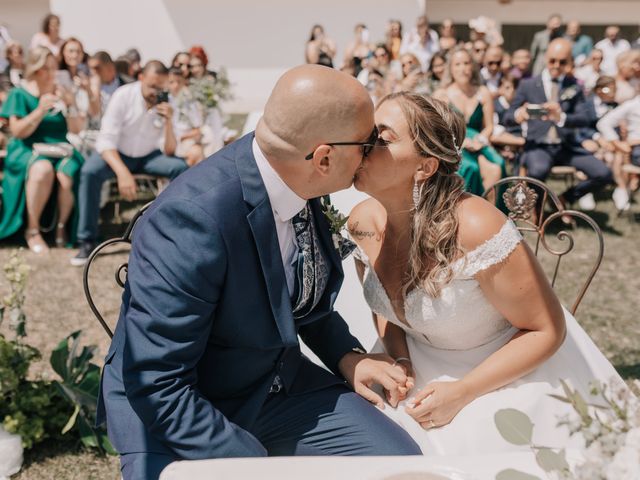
pixel 528 202
pixel 121 271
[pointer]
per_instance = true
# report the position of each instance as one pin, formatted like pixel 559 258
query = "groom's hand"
pixel 364 371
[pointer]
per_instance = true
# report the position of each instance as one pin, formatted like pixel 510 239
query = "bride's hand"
pixel 438 403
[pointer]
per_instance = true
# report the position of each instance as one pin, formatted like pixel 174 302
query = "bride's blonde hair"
pixel 437 131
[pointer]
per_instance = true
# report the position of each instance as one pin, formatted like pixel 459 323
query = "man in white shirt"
pixel 422 41
pixel 490 72
pixel 136 136
pixel 612 46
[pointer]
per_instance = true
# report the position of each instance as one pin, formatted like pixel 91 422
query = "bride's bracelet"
pixel 401 359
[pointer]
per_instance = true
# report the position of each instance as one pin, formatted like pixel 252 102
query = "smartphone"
pixel 536 111
pixel 162 97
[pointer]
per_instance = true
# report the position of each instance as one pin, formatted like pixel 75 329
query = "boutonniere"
pixel 337 222
pixel 569 93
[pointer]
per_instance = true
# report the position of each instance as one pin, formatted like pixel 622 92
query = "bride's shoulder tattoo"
pixel 360 233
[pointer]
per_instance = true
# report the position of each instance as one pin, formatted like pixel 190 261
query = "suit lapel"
pixel 263 228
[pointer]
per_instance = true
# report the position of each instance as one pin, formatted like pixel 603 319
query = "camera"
pixel 536 111
pixel 162 97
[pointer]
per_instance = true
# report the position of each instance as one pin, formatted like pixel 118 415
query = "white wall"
pixel 23 17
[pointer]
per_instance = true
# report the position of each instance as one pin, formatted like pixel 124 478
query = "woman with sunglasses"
pixel 481 165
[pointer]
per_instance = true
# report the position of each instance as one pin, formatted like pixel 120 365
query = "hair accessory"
pixel 455 144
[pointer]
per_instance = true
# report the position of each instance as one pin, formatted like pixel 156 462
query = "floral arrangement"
pixel 609 423
pixel 337 222
pixel 209 91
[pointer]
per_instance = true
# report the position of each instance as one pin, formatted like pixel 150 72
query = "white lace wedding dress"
pixel 449 336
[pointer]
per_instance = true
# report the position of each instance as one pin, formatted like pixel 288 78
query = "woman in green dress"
pixel 481 165
pixel 31 172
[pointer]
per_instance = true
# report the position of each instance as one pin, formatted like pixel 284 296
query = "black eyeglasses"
pixel 560 61
pixel 367 146
pixel 494 63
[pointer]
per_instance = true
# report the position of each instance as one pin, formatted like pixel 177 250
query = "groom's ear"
pixel 321 160
pixel 426 169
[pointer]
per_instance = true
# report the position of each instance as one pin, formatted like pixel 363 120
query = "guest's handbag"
pixel 53 150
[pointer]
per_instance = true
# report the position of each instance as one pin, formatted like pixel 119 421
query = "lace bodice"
pixel 462 318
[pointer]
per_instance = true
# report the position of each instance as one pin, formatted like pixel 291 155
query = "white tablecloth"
pixel 484 467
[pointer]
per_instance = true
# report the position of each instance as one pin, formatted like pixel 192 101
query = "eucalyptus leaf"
pixel 551 461
pixel 514 426
pixel 560 397
pixel 511 474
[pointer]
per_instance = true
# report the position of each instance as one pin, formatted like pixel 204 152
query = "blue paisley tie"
pixel 312 273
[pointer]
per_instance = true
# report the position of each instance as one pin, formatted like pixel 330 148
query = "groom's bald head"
pixel 311 105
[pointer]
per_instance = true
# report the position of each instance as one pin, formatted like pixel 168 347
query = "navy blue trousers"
pixel 332 421
pixel 539 158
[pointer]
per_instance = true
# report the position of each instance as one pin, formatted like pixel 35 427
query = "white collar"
pixel 546 77
pixel 285 203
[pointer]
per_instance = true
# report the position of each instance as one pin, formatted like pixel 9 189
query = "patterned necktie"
pixel 312 273
pixel 552 135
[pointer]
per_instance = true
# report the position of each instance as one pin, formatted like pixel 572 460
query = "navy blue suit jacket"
pixel 589 110
pixel 531 90
pixel 206 320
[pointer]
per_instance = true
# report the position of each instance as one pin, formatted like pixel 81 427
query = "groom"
pixel 228 266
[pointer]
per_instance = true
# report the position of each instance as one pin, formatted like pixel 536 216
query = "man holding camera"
pixel 136 136
pixel 550 106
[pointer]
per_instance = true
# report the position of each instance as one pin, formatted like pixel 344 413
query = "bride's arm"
pixel 518 288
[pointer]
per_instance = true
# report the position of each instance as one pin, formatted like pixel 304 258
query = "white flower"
pixel 625 465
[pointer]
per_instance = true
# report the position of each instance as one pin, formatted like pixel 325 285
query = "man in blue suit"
pixel 228 266
pixel 551 139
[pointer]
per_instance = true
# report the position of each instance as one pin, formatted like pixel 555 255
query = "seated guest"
pixel 49 36
pixel 627 81
pixel 628 113
pixel 521 60
pixel 137 122
pixel 198 63
pixel 589 72
pixel 481 165
pixel 478 50
pixel 187 119
pixel 422 42
pixel 413 79
pixel 105 76
pixel 135 62
pixel 437 68
pixel 507 140
pixel 491 71
pixel 35 113
pixel 73 73
pixel 181 62
pixel 447 32
pixel 12 75
pixel 506 65
pixel 359 48
pixel 596 106
pixel 550 138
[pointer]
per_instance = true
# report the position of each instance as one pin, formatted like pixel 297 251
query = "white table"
pixel 479 467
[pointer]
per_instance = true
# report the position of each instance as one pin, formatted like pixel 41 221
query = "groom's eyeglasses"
pixel 367 146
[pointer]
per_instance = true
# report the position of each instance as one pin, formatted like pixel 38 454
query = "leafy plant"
pixel 80 385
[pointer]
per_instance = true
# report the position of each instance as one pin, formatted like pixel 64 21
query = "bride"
pixel 459 300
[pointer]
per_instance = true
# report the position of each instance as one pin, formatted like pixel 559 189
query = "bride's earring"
pixel 416 193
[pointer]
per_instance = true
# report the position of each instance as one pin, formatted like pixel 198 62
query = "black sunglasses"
pixel 367 146
pixel 494 63
pixel 560 61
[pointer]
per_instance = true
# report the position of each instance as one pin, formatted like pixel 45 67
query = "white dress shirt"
pixel 128 126
pixel 492 82
pixel 285 204
pixel 411 43
pixel 629 112
pixel 609 53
